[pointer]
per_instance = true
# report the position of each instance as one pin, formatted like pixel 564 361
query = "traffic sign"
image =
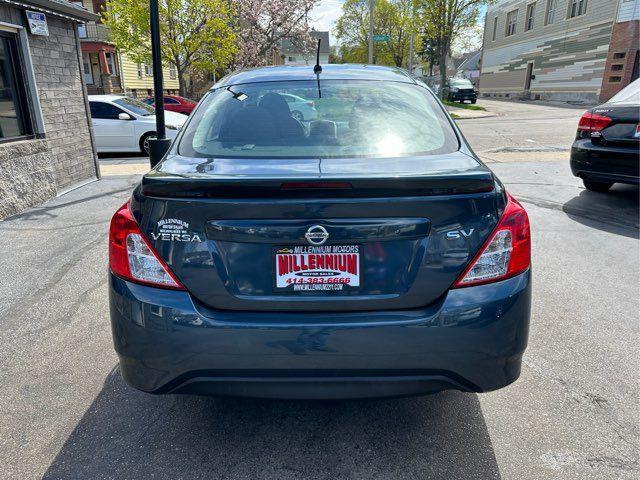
pixel 381 38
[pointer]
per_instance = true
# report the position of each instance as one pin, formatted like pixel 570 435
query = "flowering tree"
pixel 263 24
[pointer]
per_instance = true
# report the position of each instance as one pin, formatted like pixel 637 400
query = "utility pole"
pixel 160 145
pixel 411 39
pixel 372 4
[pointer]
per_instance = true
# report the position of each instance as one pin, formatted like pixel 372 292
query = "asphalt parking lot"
pixel 67 414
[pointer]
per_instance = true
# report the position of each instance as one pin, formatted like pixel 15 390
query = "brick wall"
pixel 623 50
pixel 32 171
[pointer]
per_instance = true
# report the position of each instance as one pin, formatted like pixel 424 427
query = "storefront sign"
pixel 37 23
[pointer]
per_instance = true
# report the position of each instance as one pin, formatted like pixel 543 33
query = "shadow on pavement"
pixel 615 211
pixel 129 434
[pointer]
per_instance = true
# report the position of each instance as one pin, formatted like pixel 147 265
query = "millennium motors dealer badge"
pixel 318 267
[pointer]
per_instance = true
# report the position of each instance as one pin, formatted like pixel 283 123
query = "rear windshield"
pixel 136 106
pixel 301 119
pixel 630 94
pixel 461 82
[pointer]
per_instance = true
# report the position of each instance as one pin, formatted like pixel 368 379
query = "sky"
pixel 323 17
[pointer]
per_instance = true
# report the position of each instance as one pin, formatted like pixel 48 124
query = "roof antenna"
pixel 317 69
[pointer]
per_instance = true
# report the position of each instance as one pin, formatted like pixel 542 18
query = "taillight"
pixel 506 253
pixel 592 122
pixel 132 257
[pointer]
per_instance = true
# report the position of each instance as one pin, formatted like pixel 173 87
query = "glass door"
pixel 87 71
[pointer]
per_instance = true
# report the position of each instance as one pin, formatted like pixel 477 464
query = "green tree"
pixel 196 35
pixel 428 53
pixel 391 17
pixel 444 21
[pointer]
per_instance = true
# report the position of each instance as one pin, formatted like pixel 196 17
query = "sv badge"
pixel 462 233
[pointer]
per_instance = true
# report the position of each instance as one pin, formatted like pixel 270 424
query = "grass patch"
pixel 453 115
pixel 466 106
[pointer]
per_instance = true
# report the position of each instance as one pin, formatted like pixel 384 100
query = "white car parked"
pixel 301 108
pixel 124 124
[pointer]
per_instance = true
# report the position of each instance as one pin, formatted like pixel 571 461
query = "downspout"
pixel 87 110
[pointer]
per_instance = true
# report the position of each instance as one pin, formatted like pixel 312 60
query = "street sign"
pixel 381 38
pixel 37 23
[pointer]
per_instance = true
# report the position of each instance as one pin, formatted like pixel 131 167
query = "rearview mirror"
pixel 124 116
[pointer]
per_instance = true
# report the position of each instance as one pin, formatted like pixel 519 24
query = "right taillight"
pixel 506 253
pixel 132 257
pixel 592 122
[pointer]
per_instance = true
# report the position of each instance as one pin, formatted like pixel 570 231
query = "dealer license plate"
pixel 317 268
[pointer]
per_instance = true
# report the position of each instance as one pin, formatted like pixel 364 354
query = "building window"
pixel 531 13
pixel 173 73
pixel 619 55
pixel 615 79
pixel 550 14
pixel 495 29
pixel 15 120
pixel 512 23
pixel 139 70
pixel 147 70
pixel 110 63
pixel 577 8
pixel 618 67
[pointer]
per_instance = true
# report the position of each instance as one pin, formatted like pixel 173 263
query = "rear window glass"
pixel 301 119
pixel 630 94
pixel 461 83
pixel 136 106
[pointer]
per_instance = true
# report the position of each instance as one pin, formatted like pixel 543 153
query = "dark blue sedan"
pixel 364 253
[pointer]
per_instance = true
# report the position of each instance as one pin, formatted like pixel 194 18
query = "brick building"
pixel 622 59
pixel 46 139
pixel 580 50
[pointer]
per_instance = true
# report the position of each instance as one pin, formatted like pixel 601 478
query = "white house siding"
pixel 568 56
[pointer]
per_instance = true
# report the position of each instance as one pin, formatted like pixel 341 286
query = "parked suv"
pixel 460 90
pixel 366 254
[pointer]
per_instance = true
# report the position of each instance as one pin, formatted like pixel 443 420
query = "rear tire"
pixel 144 142
pixel 596 186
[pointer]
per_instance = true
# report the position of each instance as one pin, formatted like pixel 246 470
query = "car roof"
pixel 329 72
pixel 104 98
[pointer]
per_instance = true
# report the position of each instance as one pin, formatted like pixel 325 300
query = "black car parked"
pixel 607 146
pixel 460 90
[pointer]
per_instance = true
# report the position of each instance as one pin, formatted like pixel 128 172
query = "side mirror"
pixel 124 116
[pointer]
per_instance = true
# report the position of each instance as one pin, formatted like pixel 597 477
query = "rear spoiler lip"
pixel 173 186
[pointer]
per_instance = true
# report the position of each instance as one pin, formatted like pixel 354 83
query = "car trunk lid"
pixel 401 234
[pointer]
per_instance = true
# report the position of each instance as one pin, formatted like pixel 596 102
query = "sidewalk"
pixel 124 166
pixel 466 114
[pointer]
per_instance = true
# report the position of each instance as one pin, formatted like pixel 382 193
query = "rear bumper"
pixel 472 340
pixel 463 96
pixel 604 163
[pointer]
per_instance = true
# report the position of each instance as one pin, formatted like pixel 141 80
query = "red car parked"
pixel 174 103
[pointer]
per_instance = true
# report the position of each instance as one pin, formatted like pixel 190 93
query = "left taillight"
pixel 506 253
pixel 132 257
pixel 593 122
